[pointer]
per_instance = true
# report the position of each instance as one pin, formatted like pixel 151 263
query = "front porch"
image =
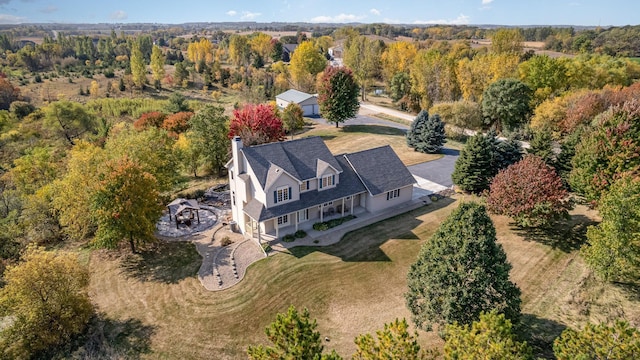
pixel 275 228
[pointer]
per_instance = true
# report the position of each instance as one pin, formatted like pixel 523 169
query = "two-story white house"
pixel 281 187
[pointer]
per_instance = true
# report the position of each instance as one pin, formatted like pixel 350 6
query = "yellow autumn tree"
pixel 396 58
pixel 475 75
pixel 157 65
pixel 306 63
pixel 46 296
pixel 260 44
pixel 199 52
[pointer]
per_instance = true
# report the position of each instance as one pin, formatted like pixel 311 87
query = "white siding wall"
pixel 380 202
pixel 283 180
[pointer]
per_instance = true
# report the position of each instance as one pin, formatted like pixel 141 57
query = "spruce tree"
pixel 542 147
pixel 507 153
pixel 427 133
pixel 416 128
pixel 461 272
pixel 473 169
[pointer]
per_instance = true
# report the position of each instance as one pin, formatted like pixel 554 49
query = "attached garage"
pixel 308 102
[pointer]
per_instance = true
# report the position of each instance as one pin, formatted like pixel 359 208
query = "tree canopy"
pixel 612 248
pixel 256 124
pixel 338 95
pixel 426 134
pixel 294 336
pixel 46 294
pixel 530 192
pixel 126 205
pixel 393 342
pixel 505 103
pixel 594 342
pixel 472 171
pixel 490 337
pixel 461 271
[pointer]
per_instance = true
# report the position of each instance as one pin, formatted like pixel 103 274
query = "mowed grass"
pixel 351 288
pixel 353 138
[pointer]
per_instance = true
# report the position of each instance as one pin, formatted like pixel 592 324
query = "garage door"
pixel 307 110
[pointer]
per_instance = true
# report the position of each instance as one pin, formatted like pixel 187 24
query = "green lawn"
pixel 352 287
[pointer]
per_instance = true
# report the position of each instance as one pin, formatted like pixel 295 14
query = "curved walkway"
pixel 222 266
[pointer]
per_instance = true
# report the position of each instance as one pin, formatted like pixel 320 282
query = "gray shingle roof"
pixel 294 96
pixel 380 169
pixel 349 185
pixel 296 157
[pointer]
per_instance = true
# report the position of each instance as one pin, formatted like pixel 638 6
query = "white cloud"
pixel 247 15
pixel 11 19
pixel 342 18
pixel 375 11
pixel 232 13
pixel 486 2
pixel 462 19
pixel 119 15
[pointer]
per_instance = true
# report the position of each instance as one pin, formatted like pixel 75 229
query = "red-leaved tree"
pixel 256 124
pixel 530 192
pixel 177 123
pixel 150 119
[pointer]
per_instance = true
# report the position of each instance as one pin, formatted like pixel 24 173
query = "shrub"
pixel 226 241
pixel 322 226
pixel 109 74
pixel 300 234
pixel 530 192
pixel 266 247
pixel 289 238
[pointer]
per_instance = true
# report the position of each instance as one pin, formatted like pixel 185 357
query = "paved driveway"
pixel 432 176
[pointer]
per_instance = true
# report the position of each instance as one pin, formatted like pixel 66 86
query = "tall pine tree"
pixel 473 169
pixel 427 133
pixel 461 272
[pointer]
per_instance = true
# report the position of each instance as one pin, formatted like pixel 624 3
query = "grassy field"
pixel 352 138
pixel 352 287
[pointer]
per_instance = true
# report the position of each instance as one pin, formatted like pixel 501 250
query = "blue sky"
pixel 500 12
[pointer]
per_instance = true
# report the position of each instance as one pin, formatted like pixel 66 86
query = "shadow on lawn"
pixel 540 334
pixel 114 339
pixel 566 236
pixel 167 262
pixel 374 129
pixel 363 245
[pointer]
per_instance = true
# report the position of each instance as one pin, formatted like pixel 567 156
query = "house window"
pixel 283 220
pixel 281 194
pixel 393 194
pixel 303 215
pixel 326 181
pixel 304 186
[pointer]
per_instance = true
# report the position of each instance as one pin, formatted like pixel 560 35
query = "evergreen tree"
pixel 427 133
pixel 490 337
pixel 294 336
pixel 473 169
pixel 507 153
pixel 542 147
pixel 461 272
pixel 618 342
pixel 393 342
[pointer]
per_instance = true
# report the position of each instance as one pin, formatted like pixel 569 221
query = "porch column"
pixel 351 210
pixel 322 213
pixel 259 237
pixel 275 223
pixel 295 218
pixel 342 208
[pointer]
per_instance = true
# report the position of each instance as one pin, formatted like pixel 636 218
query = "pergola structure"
pixel 178 206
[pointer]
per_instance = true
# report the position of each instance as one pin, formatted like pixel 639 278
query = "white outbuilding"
pixel 308 102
